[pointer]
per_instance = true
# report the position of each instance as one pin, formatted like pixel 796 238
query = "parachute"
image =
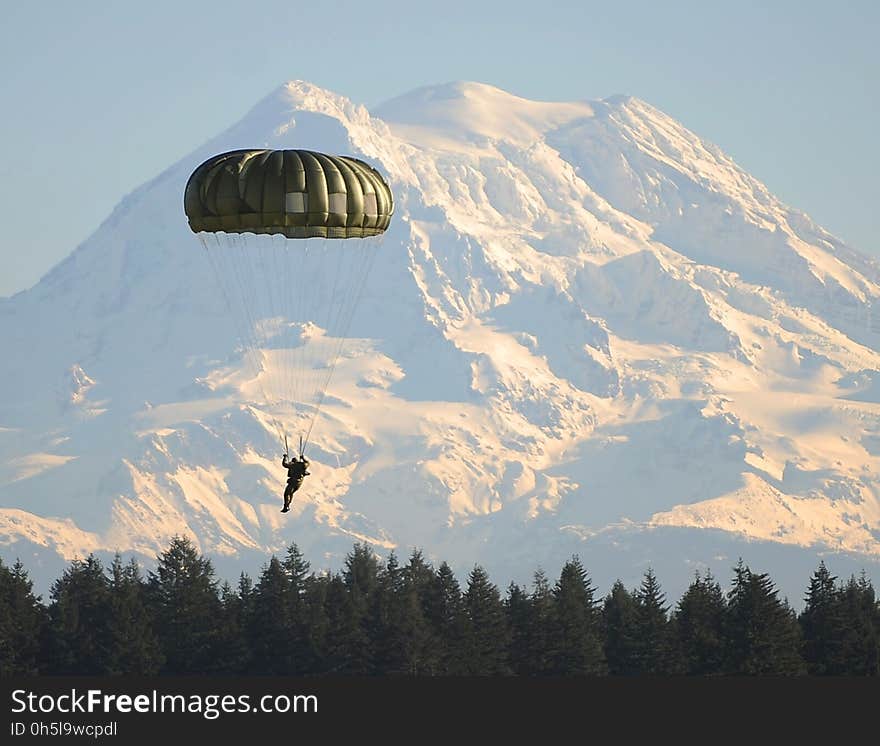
pixel 290 236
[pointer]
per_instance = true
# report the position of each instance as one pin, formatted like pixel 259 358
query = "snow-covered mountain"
pixel 588 331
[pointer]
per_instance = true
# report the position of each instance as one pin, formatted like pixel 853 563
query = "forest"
pixel 383 617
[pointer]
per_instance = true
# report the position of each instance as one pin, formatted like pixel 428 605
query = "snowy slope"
pixel 586 323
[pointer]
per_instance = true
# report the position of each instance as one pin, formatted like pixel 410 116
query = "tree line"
pixel 380 617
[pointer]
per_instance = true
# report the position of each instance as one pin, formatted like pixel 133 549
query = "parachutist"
pixel 297 470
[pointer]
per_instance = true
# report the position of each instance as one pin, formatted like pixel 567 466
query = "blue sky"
pixel 100 96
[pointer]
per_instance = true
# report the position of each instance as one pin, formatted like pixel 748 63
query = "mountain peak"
pixel 302 91
pixel 621 99
pixel 582 321
pixel 471 110
pixel 301 95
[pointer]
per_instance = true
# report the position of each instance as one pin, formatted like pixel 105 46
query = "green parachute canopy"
pixel 294 193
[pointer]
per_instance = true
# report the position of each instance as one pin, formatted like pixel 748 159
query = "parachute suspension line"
pixel 239 261
pixel 334 310
pixel 264 316
pixel 240 257
pixel 368 249
pixel 281 311
pixel 215 259
pixel 286 255
pixel 209 240
pixel 282 435
pixel 319 305
pixel 294 269
pixel 299 277
pixel 264 252
pixel 321 390
pixel 223 257
pixel 279 268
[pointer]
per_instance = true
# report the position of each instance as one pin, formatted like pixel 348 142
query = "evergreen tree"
pixel 347 645
pixel 317 623
pixel 540 645
pixel 398 628
pixel 234 627
pixel 699 627
pixel 488 635
pixel 183 596
pixel 297 569
pixel 419 575
pixel 423 645
pixel 320 638
pixel 22 622
pixel 620 622
pixel 298 576
pixel 361 574
pixel 387 625
pixel 822 625
pixel 274 627
pixel 578 645
pixel 353 642
pixel 80 613
pixel 653 632
pixel 134 646
pixel 518 620
pixel 761 632
pixel 448 621
pixel 860 639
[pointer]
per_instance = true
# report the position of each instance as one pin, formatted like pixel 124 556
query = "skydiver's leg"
pixel 288 496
